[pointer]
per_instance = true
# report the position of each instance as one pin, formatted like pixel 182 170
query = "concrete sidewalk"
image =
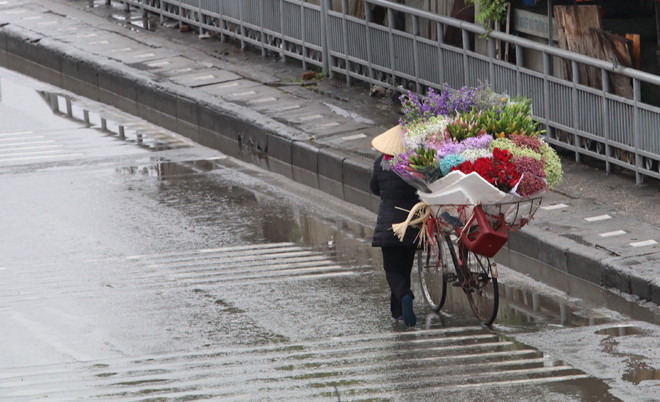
pixel 602 229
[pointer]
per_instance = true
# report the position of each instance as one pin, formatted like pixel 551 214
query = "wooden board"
pixel 579 31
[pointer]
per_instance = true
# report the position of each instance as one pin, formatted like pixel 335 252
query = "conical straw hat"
pixel 389 142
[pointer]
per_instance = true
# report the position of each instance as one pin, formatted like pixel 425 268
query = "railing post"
pixel 441 56
pixel 606 119
pixel 574 96
pixel 415 32
pixel 390 37
pixel 344 31
pixel 302 31
pixel 491 64
pixel 261 28
pixel 242 28
pixel 637 96
pixel 547 72
pixel 282 41
pixel 466 47
pixel 367 18
pixel 519 63
pixel 325 48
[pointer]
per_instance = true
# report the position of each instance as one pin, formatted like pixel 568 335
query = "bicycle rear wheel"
pixel 432 264
pixel 480 286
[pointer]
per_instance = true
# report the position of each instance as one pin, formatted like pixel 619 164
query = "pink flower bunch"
pixel 529 166
pixel 524 141
pixel 530 185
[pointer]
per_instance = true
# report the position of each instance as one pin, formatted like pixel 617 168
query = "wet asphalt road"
pixel 147 267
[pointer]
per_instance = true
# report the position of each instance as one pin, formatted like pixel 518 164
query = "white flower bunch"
pixel 425 132
pixel 472 154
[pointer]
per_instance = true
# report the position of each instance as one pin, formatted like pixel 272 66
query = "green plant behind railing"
pixel 490 11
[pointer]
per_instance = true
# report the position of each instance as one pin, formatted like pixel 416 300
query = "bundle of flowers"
pixel 473 131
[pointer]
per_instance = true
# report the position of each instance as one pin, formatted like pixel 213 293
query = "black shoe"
pixel 409 317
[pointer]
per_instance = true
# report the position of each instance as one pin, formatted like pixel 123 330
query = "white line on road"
pixel 39 157
pixel 614 233
pixel 598 218
pixel 553 207
pixel 644 243
pixel 16 133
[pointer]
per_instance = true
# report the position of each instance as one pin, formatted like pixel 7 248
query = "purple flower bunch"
pixel 455 147
pixel 447 102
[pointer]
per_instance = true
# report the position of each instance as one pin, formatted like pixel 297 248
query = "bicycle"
pixel 452 239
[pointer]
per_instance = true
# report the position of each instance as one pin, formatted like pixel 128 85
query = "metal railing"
pixel 587 121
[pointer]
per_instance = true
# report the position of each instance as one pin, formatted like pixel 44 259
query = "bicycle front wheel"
pixel 432 264
pixel 480 286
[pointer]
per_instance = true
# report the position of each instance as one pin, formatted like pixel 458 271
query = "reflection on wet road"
pixel 143 272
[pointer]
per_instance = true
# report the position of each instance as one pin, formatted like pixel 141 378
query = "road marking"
pixel 290 107
pixel 598 218
pixel 614 233
pixel 26 148
pixel 231 84
pixel 644 243
pixel 246 93
pixel 17 133
pixel 40 157
pixel 311 117
pixel 182 70
pixel 21 138
pixel 144 55
pixel 159 63
pixel 354 137
pixel 264 100
pixel 332 124
pixel 553 207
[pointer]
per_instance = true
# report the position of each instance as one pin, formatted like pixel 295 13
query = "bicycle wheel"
pixel 432 264
pixel 480 286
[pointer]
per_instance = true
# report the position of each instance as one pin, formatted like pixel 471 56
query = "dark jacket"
pixel 394 192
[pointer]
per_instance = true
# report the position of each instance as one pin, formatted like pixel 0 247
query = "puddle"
pixel 166 169
pixel 638 371
pixel 148 136
pixel 621 331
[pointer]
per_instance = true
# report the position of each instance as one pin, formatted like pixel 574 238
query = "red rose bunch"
pixel 499 170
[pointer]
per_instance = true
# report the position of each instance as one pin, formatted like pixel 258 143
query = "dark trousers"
pixel 398 262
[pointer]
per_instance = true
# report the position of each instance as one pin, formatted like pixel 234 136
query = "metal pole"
pixel 367 18
pixel 242 28
pixel 466 46
pixel 415 27
pixel 390 35
pixel 325 48
pixel 441 57
pixel 519 63
pixel 261 27
pixel 574 96
pixel 637 96
pixel 606 119
pixel 547 71
pixel 550 22
pixel 491 63
pixel 302 32
pixel 344 30
pixel 282 41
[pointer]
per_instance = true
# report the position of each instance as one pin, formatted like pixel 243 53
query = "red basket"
pixel 488 237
